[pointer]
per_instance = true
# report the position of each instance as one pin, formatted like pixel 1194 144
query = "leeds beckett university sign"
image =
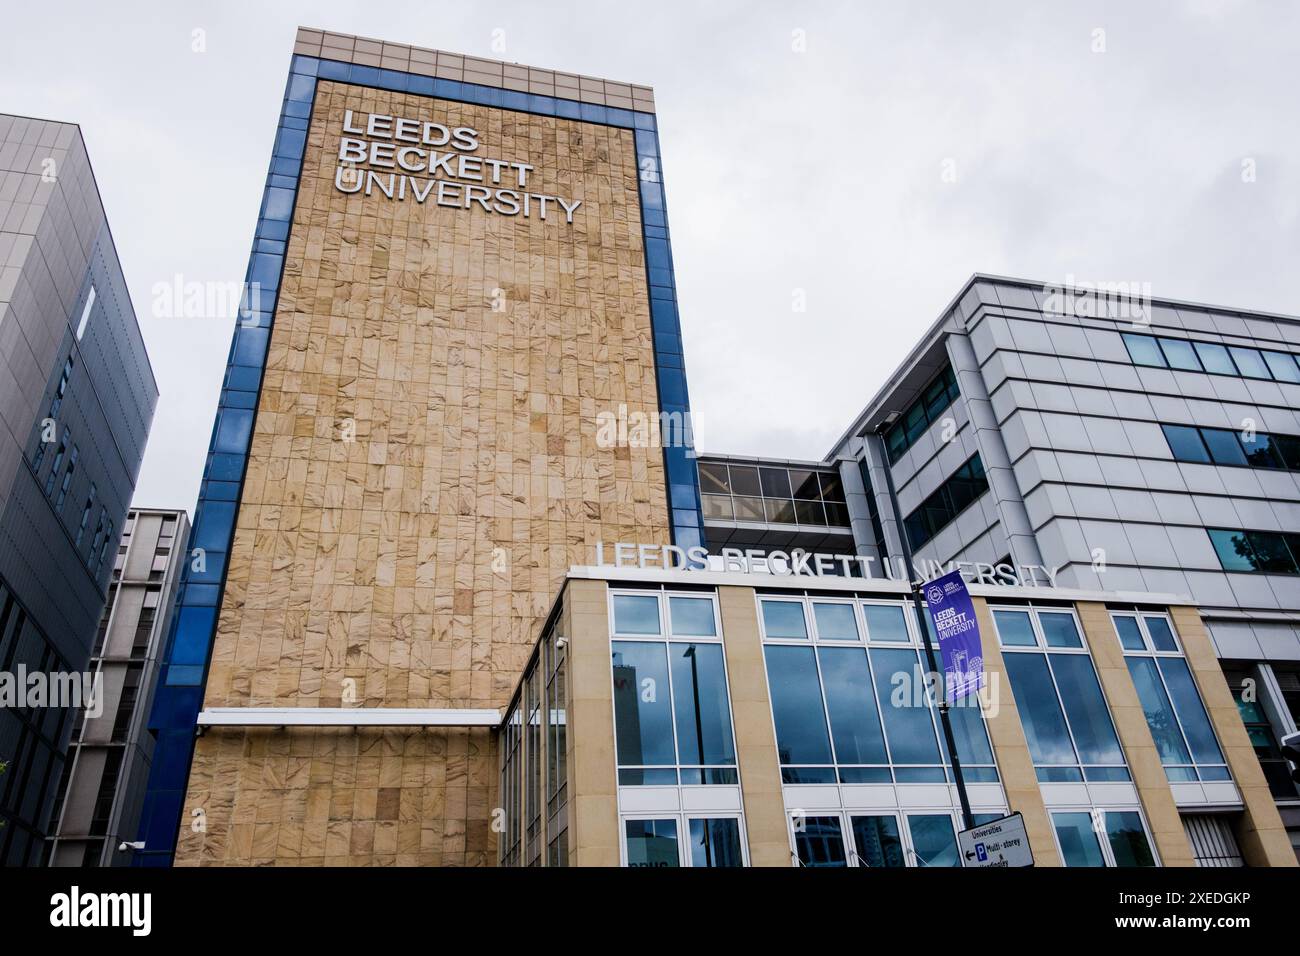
pixel 953 615
pixel 431 161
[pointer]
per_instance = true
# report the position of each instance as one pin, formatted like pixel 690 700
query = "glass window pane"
pixel 969 734
pixel 776 482
pixel 1078 839
pixel 1289 448
pixel 878 843
pixel 1261 450
pixel 1233 549
pixel 1128 840
pixel 810 512
pixel 1271 553
pixel 716 843
pixel 1130 635
pixel 1085 708
pixel 1159 712
pixel 692 616
pixel 885 623
pixel 643 719
pixel 1142 349
pixel 1215 358
pixel 819 841
pixel 784 619
pixel 749 509
pixel 1249 362
pixel 905 704
pixel 832 488
pixel 779 510
pixel 1180 354
pixel 1185 443
pixel 855 724
pixel 1282 366
pixel 717 506
pixel 1224 447
pixel 701 704
pixel 1039 709
pixel 713 479
pixel 1162 636
pixel 933 839
pixel 744 480
pixel 835 622
pixel 652 843
pixel 636 614
pixel 1191 711
pixel 1059 629
pixel 804 483
pixel 1015 629
pixel 797 710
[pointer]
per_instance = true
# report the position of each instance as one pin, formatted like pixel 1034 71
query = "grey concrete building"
pixel 77 397
pixel 110 754
pixel 1098 439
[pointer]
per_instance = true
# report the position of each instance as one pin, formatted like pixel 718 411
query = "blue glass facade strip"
pixel 189 644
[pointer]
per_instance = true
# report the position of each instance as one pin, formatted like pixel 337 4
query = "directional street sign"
pixel 999 843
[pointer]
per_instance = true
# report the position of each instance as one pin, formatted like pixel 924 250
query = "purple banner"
pixel 953 616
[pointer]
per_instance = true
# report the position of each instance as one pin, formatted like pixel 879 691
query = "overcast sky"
pixel 867 157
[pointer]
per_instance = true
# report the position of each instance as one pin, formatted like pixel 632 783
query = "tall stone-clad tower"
pixel 460 266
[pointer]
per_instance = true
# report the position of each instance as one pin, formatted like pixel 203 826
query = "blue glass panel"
pixel 652 196
pixel 647 144
pixel 188 675
pixel 364 75
pixel 290 142
pixel 657 253
pixel 593 113
pixel 1130 636
pixel 687 536
pixel 885 623
pixel 541 104
pixel 1015 628
pixel 234 430
pixel 615 116
pixel 273 246
pixel 278 203
pixel 301 88
pixel 242 378
pixel 513 100
pixel 223 467
pixel 193 635
pixel 297 110
pixel 211 570
pixel 273 228
pixel 423 85
pixel 692 617
pixel 333 70
pixel 636 614
pixel 393 80
pixel 644 120
pixel 212 525
pixel 306 65
pixel 1162 637
pixel 672 387
pixel 933 839
pixel 292 122
pixel 1191 712
pixel 1128 838
pixel 221 490
pixel 250 347
pixel 1059 629
pixel 1078 839
pixel 683 496
pixel 661 277
pixel 855 723
pixel 568 109
pixel 666 343
pixel 202 595
pixel 1159 712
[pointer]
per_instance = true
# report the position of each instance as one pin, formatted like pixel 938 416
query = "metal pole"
pixel 944 720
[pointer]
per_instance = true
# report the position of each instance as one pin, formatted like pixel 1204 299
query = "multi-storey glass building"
pixel 459 591
pixel 109 756
pixel 77 397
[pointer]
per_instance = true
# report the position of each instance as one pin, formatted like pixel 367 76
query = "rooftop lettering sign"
pixel 800 563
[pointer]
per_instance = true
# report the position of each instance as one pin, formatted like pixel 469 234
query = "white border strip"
pixel 346 717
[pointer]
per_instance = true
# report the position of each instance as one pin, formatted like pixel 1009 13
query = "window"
pixel 925 410
pixel 1244 683
pixel 951 498
pixel 1213 842
pixel 67 478
pixel 879 840
pixel 556 724
pixel 58 463
pixel 1258 552
pixel 1212 357
pixel 85 515
pixel 672 713
pixel 1102 838
pixel 839 713
pixel 772 493
pixel 683 840
pixel 1179 724
pixel 1062 709
pixel 1226 447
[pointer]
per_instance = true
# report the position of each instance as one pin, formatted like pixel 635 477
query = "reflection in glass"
pixel 885 623
pixel 819 841
pixel 905 704
pixel 1078 839
pixel 878 843
pixel 855 725
pixel 1162 637
pixel 801 736
pixel 643 718
pixel 1059 629
pixel 1040 710
pixel 1159 712
pixel 784 619
pixel 692 617
pixel 835 622
pixel 700 697
pixel 652 843
pixel 715 843
pixel 1130 636
pixel 636 614
pixel 933 839
pixel 1128 840
pixel 1085 708
pixel 1015 628
pixel 1190 710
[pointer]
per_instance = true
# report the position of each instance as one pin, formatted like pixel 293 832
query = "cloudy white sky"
pixel 811 168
